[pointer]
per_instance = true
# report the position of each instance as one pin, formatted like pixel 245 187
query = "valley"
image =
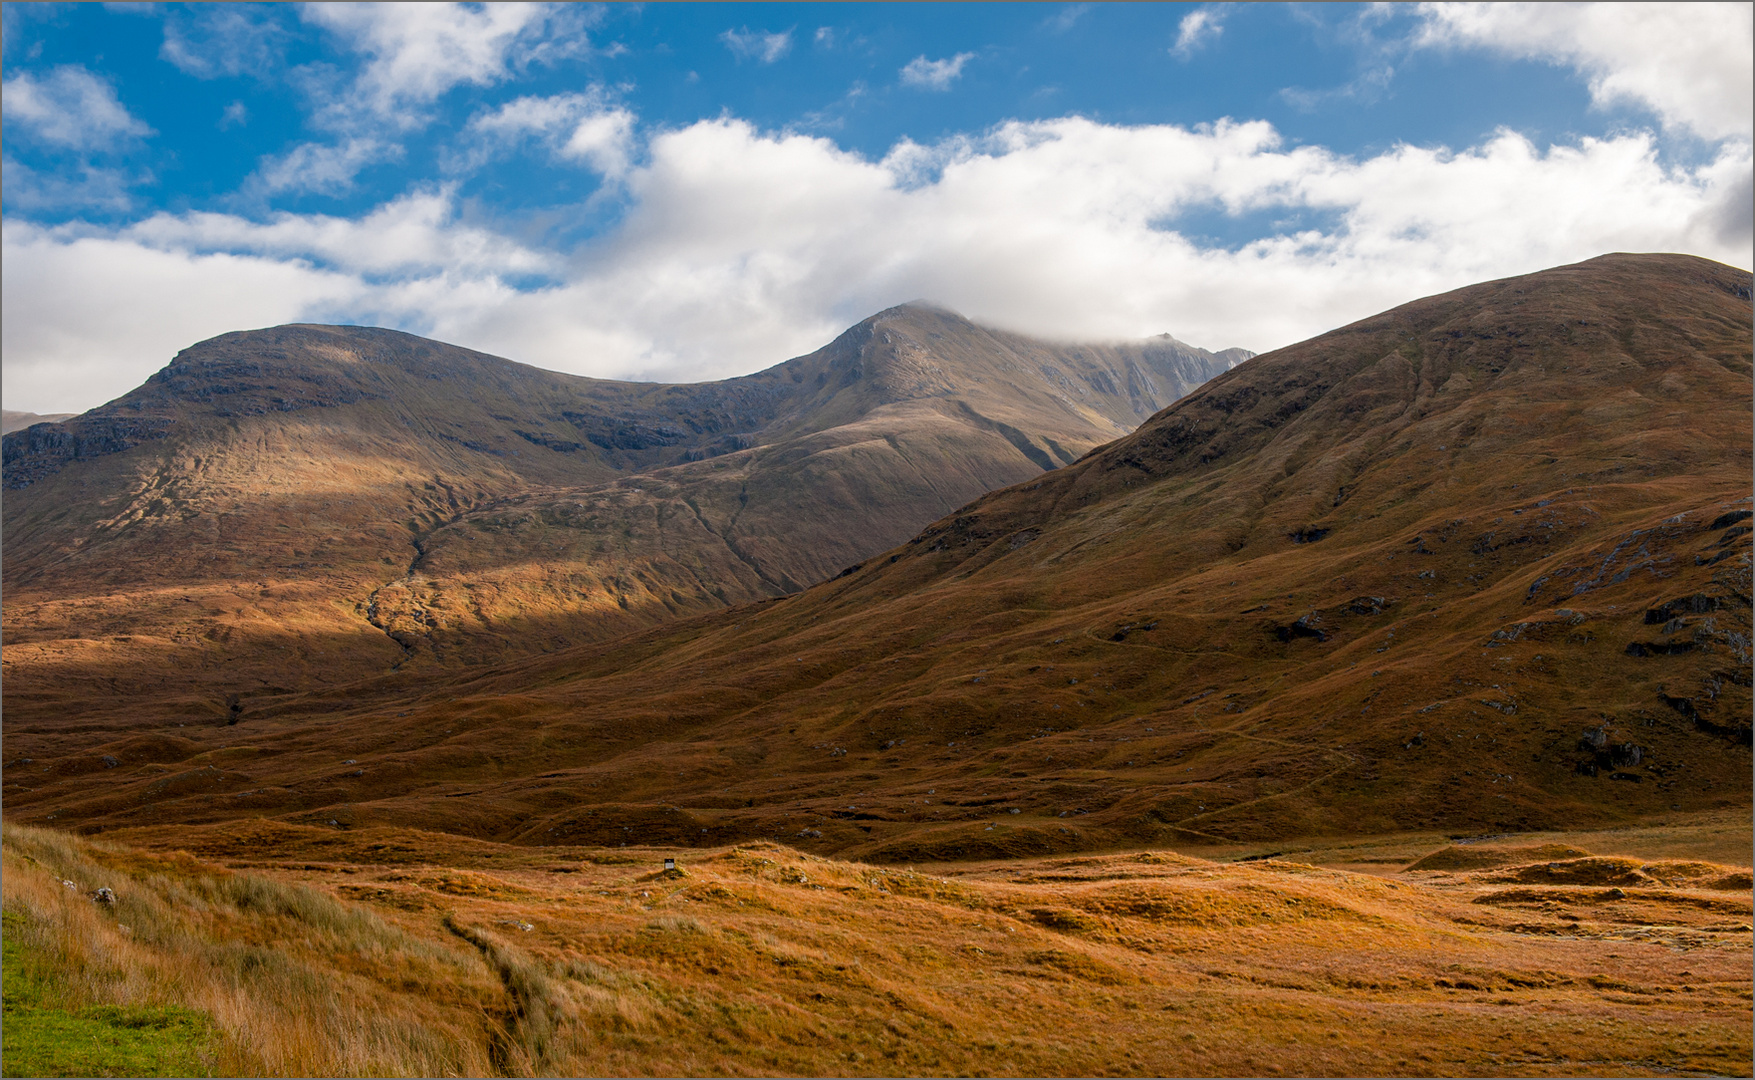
pixel 1449 568
pixel 1377 705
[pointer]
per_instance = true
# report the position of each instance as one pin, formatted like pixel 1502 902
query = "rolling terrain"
pixel 1478 564
pixel 308 505
pixel 293 950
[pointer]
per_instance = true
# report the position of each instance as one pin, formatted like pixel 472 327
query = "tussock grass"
pixel 761 959
pixel 291 980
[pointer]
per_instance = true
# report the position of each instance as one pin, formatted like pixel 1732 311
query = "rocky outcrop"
pixel 42 450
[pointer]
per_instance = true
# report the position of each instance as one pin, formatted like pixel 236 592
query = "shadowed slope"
pixel 271 493
pixel 1480 562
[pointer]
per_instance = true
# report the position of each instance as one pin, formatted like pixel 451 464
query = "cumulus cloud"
pixel 760 45
pixel 738 248
pixel 1691 64
pixel 418 234
pixel 1069 228
pixel 69 109
pixel 108 312
pixel 583 127
pixel 417 52
pixel 1198 28
pixel 934 74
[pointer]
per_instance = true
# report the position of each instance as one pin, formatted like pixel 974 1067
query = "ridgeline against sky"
pixel 694 192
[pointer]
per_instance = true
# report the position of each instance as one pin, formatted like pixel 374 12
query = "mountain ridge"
pixel 301 483
pixel 740 405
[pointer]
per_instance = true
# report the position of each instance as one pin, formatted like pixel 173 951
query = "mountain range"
pixel 287 508
pixel 1481 562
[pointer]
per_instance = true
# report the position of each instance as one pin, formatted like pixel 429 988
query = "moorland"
pixel 1379 705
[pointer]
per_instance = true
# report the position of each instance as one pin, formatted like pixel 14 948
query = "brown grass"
pixel 1475 858
pixel 762 959
pixel 297 982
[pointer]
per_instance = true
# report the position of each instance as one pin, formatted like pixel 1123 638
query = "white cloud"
pixel 415 54
pixel 71 109
pixel 1197 28
pixel 105 313
pixel 576 127
pixel 602 138
pixel 934 74
pixel 1067 228
pixel 739 248
pixel 414 235
pixel 1691 64
pixel 94 188
pixel 760 45
pixel 325 168
pixel 1368 86
pixel 1066 18
pixel 213 41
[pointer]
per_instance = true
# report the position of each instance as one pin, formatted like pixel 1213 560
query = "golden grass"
pixel 297 982
pixel 762 959
pixel 1477 857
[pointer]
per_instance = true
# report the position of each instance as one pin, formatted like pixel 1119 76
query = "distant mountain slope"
pixel 11 420
pixel 1481 563
pixel 233 524
pixel 903 418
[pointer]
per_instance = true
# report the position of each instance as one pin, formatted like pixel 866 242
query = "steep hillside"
pixel 1479 563
pixel 298 506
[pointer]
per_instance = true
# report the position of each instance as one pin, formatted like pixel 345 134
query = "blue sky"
pixel 694 191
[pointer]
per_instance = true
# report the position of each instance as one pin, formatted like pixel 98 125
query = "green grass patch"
pixel 40 1039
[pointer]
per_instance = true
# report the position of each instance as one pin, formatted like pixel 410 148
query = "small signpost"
pixel 670 864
